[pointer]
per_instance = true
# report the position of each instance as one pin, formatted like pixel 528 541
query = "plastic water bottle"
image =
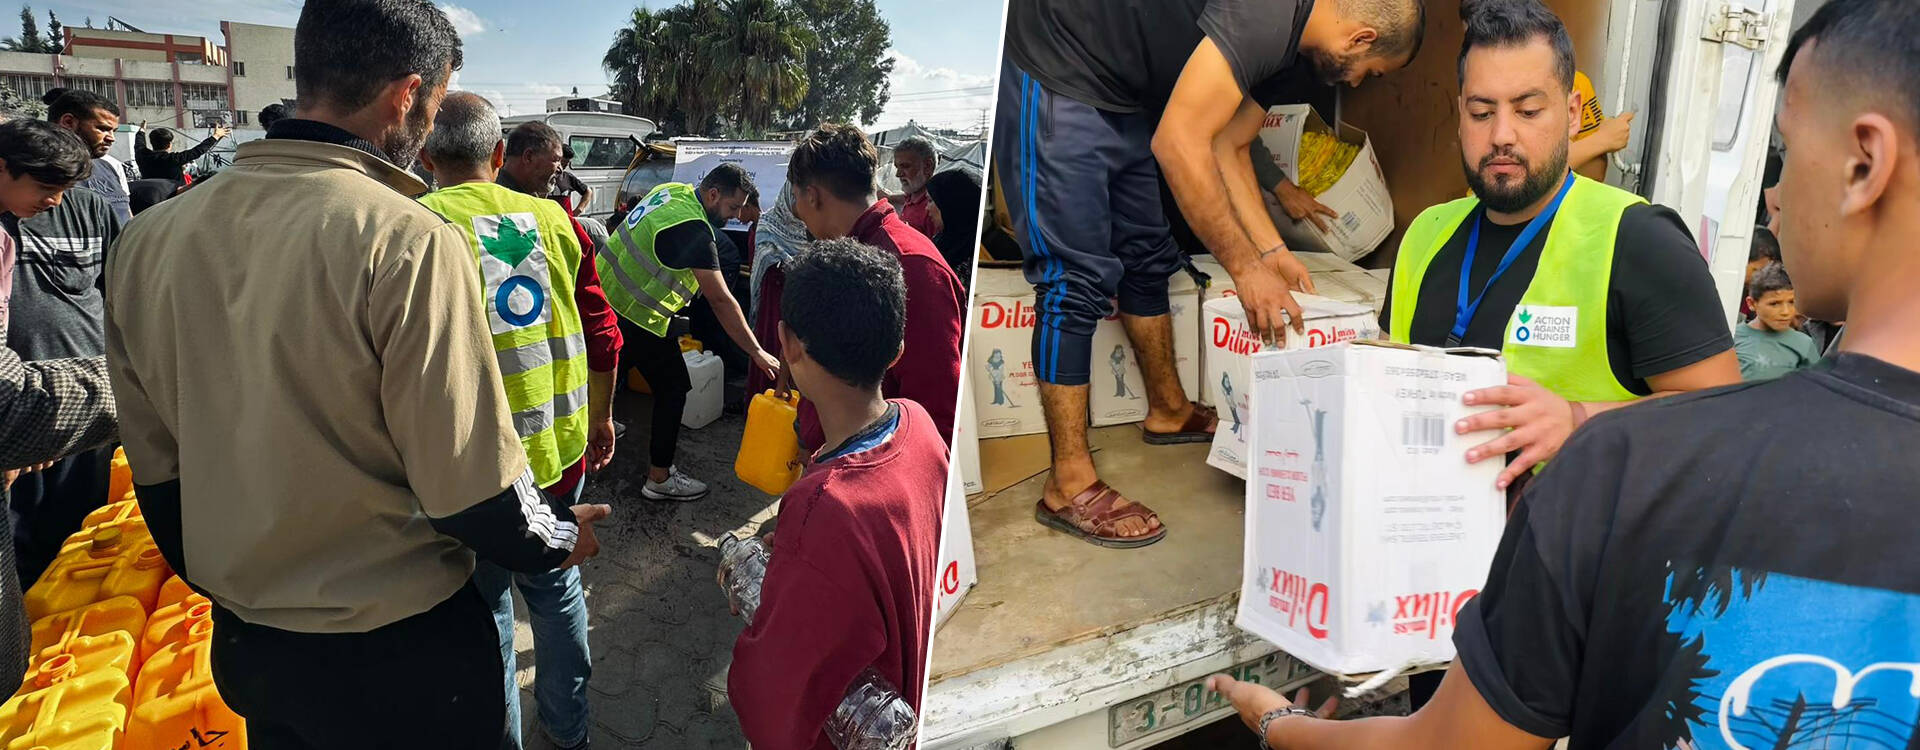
pixel 873 716
pixel 743 563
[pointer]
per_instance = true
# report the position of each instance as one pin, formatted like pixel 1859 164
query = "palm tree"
pixel 767 43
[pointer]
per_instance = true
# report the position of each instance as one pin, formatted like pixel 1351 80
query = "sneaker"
pixel 678 488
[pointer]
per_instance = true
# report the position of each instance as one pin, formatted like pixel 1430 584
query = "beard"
pixel 1514 196
pixel 402 142
pixel 1329 68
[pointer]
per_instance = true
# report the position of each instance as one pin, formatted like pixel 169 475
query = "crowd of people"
pixel 361 414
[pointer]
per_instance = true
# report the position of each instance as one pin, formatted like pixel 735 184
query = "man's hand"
pixel 1613 133
pixel 1538 423
pixel 1301 205
pixel 222 131
pixel 768 364
pixel 1263 293
pixel 1290 269
pixel 600 439
pixel 587 545
pixel 1253 700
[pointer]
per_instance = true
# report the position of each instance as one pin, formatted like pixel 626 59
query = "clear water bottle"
pixel 743 564
pixel 873 716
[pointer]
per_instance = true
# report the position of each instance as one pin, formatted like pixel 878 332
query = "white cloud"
pixel 464 21
pixel 934 97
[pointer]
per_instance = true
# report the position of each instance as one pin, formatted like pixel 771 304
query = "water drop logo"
pixel 1521 333
pixel 514 265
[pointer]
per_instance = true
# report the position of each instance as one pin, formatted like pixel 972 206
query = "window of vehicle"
pixel 602 152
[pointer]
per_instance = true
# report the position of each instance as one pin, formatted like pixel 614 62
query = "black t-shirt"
pixel 1748 547
pixel 688 244
pixel 1125 55
pixel 1663 312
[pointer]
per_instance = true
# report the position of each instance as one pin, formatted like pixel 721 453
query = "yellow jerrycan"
pixel 770 456
pixel 101 635
pixel 62 708
pixel 174 591
pixel 171 624
pixel 119 478
pixel 119 512
pixel 176 704
pixel 108 561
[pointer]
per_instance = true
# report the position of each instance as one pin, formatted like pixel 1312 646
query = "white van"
pixel 1070 647
pixel 604 146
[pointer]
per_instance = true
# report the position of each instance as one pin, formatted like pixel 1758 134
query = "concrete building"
pixel 174 80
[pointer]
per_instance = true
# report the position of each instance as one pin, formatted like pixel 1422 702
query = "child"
pixel 1764 251
pixel 1769 346
pixel 850 583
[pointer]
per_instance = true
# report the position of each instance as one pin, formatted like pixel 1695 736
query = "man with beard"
pixel 58 312
pixel 656 260
pixel 913 163
pixel 1096 99
pixel 1679 579
pixel 320 438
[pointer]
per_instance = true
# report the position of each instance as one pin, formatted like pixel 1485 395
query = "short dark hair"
pixel 839 157
pixel 1770 278
pixel 53 95
pixel 1765 245
pixel 918 145
pixel 1401 24
pixel 1873 45
pixel 530 135
pixel 162 138
pixel 566 151
pixel 346 51
pixel 835 281
pixel 272 113
pixel 729 178
pixel 80 103
pixel 1512 23
pixel 46 152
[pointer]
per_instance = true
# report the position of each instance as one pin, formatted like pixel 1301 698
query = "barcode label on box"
pixel 1351 221
pixel 1424 431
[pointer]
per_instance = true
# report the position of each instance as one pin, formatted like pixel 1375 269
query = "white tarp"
pixel 766 161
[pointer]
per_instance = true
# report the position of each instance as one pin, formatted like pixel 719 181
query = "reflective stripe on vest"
pixel 645 290
pixel 528 258
pixel 1572 281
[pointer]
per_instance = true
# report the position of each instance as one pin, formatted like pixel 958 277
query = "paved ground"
pixel 659 624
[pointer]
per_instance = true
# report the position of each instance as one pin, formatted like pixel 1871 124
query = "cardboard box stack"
pixel 958 573
pixel 1366 530
pixel 1231 345
pixel 1005 389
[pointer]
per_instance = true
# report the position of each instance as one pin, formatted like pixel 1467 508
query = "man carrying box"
pixel 1679 579
pixel 1596 298
pixel 1094 100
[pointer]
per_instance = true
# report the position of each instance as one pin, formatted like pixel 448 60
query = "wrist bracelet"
pixel 1267 718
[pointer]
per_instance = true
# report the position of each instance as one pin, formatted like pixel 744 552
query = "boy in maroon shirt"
pixel 850 581
pixel 831 174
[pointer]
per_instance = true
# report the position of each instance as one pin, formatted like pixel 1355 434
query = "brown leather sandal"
pixel 1091 516
pixel 1194 431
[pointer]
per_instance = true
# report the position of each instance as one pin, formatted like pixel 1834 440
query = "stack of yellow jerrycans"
pixel 121 647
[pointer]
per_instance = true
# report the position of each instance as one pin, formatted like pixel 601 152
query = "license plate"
pixel 1164 709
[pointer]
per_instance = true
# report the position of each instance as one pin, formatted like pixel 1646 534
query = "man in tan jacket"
pixel 314 413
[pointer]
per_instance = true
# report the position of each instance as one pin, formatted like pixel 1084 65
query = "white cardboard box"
pixel 1360 196
pixel 966 443
pixel 1117 391
pixel 1366 531
pixel 1320 265
pixel 1005 388
pixel 1230 345
pixel 958 573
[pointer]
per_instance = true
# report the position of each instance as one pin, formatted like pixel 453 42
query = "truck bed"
pixel 1041 589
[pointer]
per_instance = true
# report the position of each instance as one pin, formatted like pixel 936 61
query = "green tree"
pixel 56 42
pixel 847 66
pixel 711 65
pixel 30 39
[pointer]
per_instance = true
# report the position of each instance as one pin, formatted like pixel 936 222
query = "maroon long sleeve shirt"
pixel 850 585
pixel 599 325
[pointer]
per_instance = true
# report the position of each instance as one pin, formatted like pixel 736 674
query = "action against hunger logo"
pixel 514 267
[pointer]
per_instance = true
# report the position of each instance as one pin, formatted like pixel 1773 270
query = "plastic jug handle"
pixel 783 383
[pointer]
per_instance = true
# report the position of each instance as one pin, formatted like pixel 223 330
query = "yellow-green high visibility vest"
pixel 529 257
pixel 640 287
pixel 1557 335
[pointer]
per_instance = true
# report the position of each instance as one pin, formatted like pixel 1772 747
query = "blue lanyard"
pixel 1464 309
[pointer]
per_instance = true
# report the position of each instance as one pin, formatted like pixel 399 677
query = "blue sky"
pixel 520 53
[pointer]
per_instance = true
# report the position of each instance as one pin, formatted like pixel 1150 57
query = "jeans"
pixel 557 610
